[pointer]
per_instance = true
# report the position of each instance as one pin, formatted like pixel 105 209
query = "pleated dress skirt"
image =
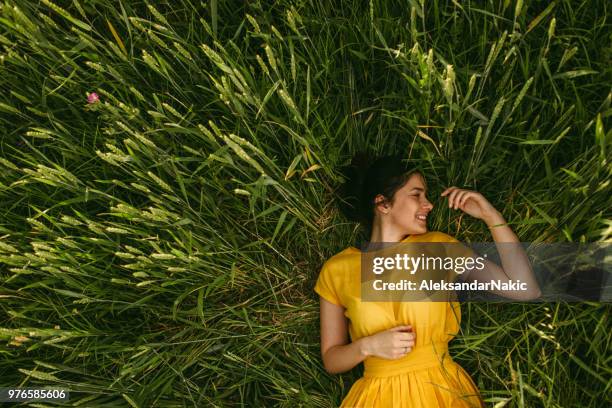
pixel 426 377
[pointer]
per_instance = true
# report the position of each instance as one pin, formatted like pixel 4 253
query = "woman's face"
pixel 410 206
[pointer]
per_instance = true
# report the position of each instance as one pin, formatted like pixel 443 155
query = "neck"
pixel 386 233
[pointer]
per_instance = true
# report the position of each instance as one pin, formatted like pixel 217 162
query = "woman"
pixel 404 345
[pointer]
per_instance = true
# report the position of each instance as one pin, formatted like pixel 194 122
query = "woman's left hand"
pixel 471 202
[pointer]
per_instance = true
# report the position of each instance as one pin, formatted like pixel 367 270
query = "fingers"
pixel 402 348
pixel 448 190
pixel 457 196
pixel 459 199
pixel 404 332
pixel 465 197
pixel 452 197
pixel 401 339
pixel 406 342
pixel 450 194
pixel 404 351
pixel 400 352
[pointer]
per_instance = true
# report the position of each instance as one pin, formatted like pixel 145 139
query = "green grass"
pixel 159 248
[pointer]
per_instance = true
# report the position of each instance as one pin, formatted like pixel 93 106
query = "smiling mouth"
pixel 421 217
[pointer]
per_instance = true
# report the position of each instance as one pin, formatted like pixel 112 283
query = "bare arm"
pixel 514 260
pixel 340 355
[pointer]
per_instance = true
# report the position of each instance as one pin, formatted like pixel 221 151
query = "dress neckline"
pixel 408 238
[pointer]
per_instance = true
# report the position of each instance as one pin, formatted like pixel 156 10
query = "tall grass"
pixel 159 247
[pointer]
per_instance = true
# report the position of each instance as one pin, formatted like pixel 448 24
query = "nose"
pixel 427 205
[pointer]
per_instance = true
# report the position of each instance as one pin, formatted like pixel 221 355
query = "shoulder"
pixel 342 260
pixel 433 236
pixel 337 276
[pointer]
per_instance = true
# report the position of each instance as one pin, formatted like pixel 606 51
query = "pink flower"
pixel 92 98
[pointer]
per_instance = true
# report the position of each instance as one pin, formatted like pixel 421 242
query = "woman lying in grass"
pixel 404 345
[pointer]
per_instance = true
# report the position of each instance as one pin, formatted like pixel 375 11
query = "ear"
pixel 381 203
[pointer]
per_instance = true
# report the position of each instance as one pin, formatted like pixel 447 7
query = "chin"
pixel 417 230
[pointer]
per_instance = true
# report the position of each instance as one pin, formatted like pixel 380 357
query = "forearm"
pixel 338 359
pixel 515 261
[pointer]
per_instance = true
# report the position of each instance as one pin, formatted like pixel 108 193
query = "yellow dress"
pixel 426 376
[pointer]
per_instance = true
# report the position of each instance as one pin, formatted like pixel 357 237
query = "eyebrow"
pixel 417 189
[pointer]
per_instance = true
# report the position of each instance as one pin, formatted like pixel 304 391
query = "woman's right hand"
pixel 390 344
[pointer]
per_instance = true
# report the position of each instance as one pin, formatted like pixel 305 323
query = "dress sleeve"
pixel 325 286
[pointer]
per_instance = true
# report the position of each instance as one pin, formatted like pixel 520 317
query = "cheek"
pixel 406 210
pixel 411 204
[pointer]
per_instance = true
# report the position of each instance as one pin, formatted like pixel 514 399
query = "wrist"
pixel 495 219
pixel 363 346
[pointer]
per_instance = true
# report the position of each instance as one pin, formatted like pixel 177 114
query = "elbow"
pixel 533 294
pixel 536 295
pixel 332 372
pixel 329 369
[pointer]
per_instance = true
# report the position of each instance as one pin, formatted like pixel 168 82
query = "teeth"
pixel 421 217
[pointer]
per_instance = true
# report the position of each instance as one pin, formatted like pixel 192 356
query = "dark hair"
pixel 365 178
